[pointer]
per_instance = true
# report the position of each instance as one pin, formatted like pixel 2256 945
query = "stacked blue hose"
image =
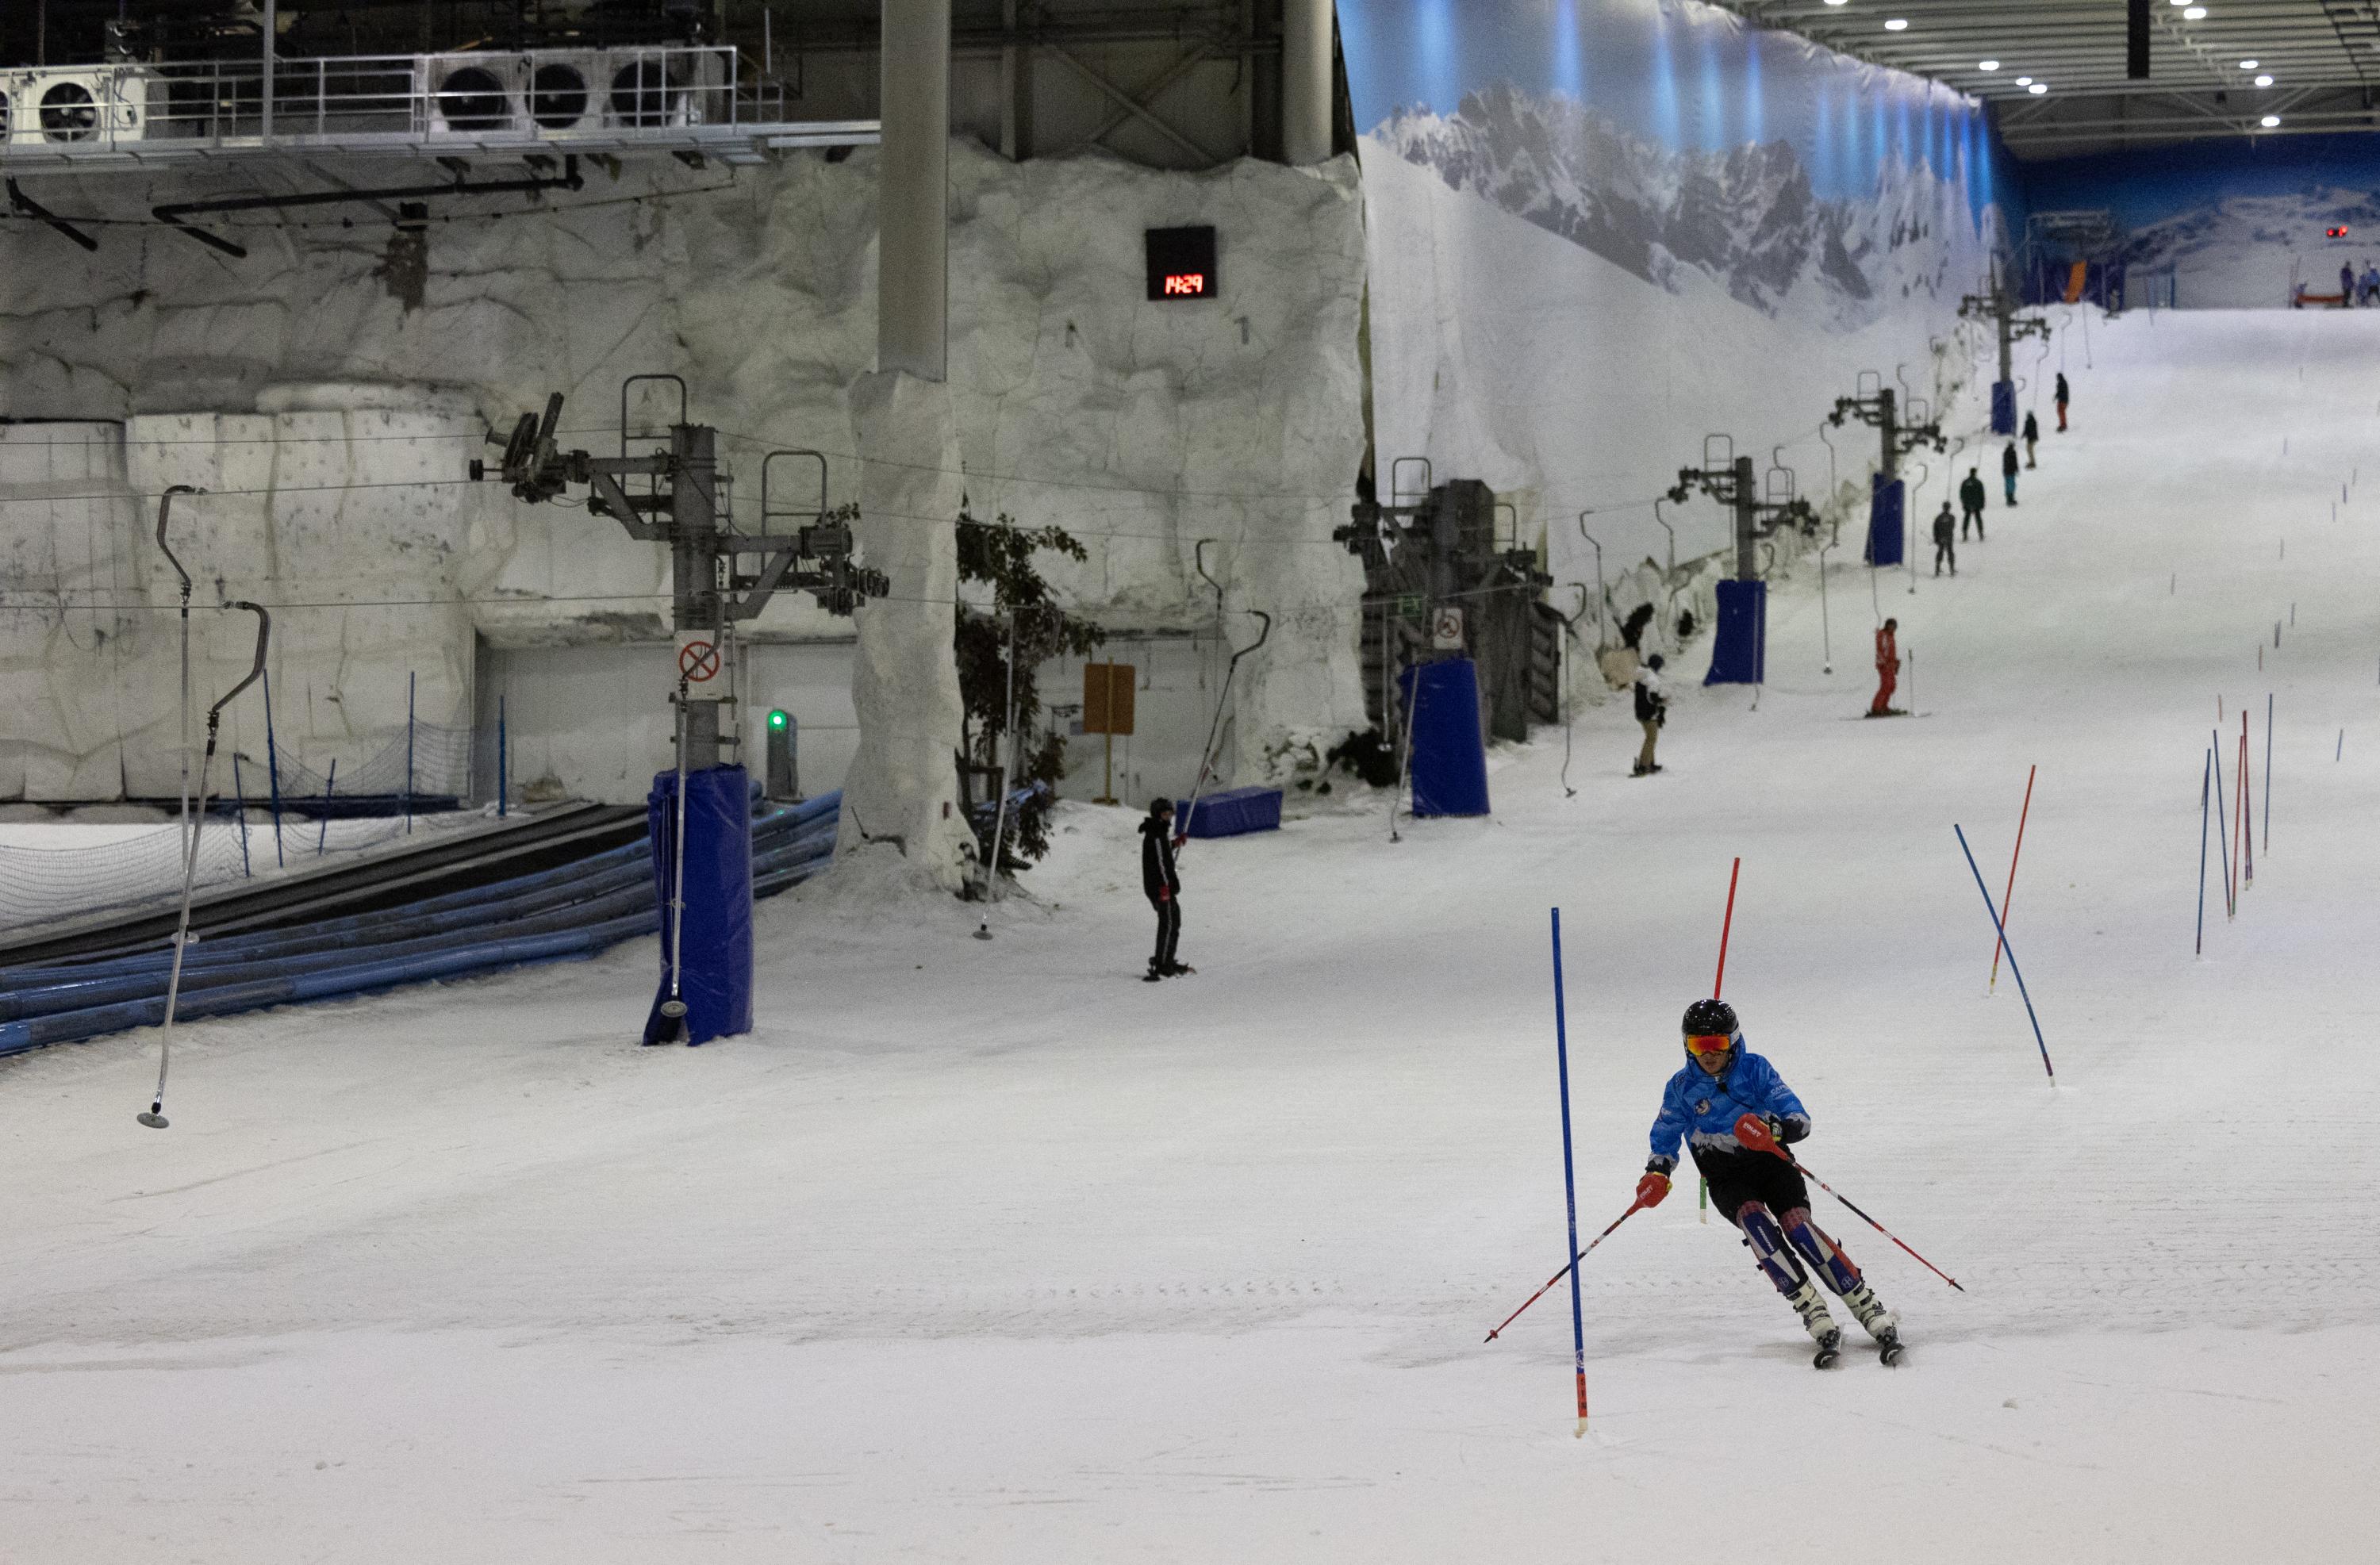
pixel 570 913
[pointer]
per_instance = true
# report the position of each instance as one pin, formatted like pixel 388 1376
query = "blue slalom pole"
pixel 2204 793
pixel 2011 953
pixel 2230 891
pixel 328 783
pixel 1570 1177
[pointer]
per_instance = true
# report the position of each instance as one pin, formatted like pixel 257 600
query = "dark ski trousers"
pixel 1944 551
pixel 1168 930
pixel 1973 517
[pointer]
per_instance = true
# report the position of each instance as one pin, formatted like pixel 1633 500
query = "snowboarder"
pixel 1161 880
pixel 1887 669
pixel 1971 501
pixel 2061 397
pixel 2008 470
pixel 1945 529
pixel 2031 439
pixel 1761 1193
pixel 1652 712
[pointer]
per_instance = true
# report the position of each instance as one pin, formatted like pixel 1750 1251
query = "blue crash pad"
pixel 1232 813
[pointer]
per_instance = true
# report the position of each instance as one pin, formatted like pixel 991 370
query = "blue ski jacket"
pixel 1701 1109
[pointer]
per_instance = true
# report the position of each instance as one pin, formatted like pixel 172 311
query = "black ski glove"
pixel 1789 1128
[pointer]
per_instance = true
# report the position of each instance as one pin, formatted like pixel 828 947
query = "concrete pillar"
pixel 1307 78
pixel 904 780
pixel 912 193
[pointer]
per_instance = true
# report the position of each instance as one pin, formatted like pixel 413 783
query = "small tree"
pixel 1002 554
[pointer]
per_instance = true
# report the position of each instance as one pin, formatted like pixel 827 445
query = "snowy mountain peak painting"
pixel 1749 217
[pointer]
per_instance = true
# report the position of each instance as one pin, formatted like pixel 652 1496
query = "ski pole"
pixel 1752 1132
pixel 1565 1271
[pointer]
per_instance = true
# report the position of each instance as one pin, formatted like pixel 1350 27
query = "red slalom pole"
pixel 1752 1132
pixel 1726 926
pixel 1566 1270
pixel 2010 895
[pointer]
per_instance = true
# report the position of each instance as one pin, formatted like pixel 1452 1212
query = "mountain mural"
pixel 1748 218
pixel 2250 251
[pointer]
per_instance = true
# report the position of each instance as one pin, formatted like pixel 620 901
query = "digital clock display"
pixel 1182 263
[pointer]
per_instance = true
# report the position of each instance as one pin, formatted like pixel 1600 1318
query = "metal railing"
pixel 592 100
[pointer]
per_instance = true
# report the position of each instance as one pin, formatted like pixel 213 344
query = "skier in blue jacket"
pixel 1759 1192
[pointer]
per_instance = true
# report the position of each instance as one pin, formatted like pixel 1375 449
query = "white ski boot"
pixel 1812 1308
pixel 1881 1323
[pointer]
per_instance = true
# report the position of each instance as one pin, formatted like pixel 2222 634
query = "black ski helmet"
pixel 1710 1018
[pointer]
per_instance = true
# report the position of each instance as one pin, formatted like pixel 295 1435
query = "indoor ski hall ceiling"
pixel 2059 85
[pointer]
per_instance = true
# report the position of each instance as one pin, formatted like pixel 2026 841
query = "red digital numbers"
pixel 1186 285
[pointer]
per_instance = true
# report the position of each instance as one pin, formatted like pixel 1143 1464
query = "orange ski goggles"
pixel 1709 1043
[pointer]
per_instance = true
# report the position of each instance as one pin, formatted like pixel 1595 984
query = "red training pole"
pixel 2010 895
pixel 1726 926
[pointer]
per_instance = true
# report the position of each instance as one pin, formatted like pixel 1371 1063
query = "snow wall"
pixel 328 390
pixel 2236 223
pixel 1600 230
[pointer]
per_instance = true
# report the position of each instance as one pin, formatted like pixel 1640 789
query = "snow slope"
pixel 986 1252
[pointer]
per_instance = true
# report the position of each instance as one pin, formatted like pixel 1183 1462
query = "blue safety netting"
pixel 571 912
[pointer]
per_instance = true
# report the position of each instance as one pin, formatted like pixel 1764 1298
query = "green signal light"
pixel 777 720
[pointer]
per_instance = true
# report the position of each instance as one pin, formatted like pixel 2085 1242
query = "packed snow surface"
pixel 987 1251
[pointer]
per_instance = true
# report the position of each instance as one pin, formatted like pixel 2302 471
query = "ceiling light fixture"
pixel 2194 14
pixel 2264 81
pixel 1897 24
pixel 2038 87
pixel 2272 122
pixel 1987 65
pixel 2024 82
pixel 2247 65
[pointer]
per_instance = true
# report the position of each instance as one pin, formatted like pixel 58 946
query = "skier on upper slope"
pixel 1721 1084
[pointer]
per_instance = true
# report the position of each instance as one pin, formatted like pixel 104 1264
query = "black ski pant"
pixel 1975 517
pixel 1942 551
pixel 1169 929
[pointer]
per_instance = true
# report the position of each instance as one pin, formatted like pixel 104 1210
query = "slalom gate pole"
pixel 240 797
pixel 273 772
pixel 1570 1177
pixel 1565 1271
pixel 1764 1142
pixel 2013 965
pixel 2203 826
pixel 2008 896
pixel 2223 814
pixel 329 784
pixel 1727 926
pixel 408 752
pixel 2248 840
pixel 2268 771
pixel 155 1118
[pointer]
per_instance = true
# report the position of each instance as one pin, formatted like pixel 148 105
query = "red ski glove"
pixel 1754 1131
pixel 1651 1189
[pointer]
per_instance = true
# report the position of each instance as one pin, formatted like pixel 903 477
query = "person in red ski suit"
pixel 1887 669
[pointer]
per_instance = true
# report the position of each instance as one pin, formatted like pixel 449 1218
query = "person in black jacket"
pixel 2008 469
pixel 1160 878
pixel 2031 439
pixel 2061 399
pixel 1945 529
pixel 1652 712
pixel 1970 500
